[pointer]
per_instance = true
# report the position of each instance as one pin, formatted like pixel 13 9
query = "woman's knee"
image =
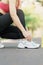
pixel 5 21
pixel 19 11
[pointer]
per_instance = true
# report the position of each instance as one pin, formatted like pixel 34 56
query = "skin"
pixel 15 18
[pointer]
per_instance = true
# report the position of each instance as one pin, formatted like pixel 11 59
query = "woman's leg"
pixel 21 16
pixel 6 31
pixel 13 32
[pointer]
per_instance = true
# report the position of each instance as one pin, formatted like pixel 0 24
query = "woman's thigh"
pixel 12 32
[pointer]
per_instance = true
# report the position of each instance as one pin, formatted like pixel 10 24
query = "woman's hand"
pixel 28 35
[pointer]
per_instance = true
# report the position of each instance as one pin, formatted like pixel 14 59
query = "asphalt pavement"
pixel 11 55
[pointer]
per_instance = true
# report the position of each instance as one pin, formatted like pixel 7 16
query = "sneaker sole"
pixel 29 48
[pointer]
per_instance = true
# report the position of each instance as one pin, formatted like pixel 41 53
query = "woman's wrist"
pixel 23 31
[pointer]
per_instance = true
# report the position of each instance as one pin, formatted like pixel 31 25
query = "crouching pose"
pixel 10 13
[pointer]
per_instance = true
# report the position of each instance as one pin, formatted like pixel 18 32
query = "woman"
pixel 9 13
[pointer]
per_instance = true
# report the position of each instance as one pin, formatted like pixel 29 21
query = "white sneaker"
pixel 27 44
pixel 1 45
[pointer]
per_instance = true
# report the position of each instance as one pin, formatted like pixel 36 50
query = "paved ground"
pixel 11 55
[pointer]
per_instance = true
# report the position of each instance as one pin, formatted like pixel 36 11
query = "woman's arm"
pixel 16 21
pixel 15 18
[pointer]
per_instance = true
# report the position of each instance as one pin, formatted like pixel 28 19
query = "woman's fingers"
pixel 29 38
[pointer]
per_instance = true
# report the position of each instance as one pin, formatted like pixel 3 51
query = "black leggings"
pixel 9 31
